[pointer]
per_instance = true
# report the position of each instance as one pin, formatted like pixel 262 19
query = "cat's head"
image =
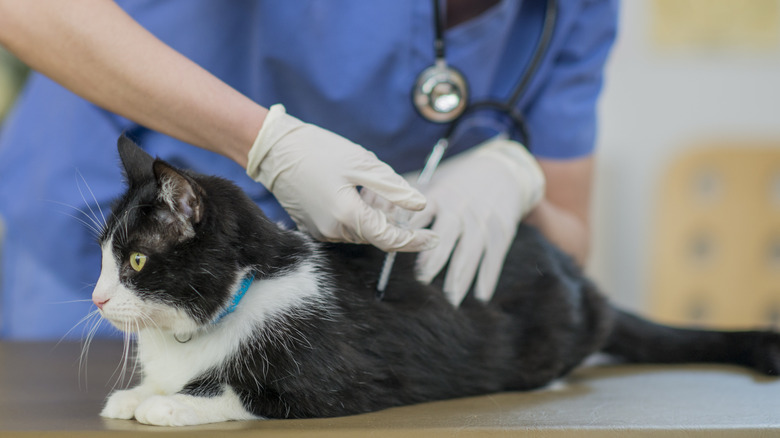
pixel 175 246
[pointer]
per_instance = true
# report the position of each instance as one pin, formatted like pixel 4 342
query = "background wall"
pixel 683 73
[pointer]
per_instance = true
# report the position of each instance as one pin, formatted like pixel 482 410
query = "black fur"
pixel 360 354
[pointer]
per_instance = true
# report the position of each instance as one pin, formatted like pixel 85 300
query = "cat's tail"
pixel 638 340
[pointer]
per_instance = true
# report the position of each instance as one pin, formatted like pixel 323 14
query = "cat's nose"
pixel 99 302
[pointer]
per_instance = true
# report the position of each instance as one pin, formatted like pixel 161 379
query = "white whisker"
pixel 136 358
pixel 97 204
pixel 90 226
pixel 93 224
pixel 128 344
pixel 87 300
pixel 83 364
pixel 119 371
pixel 195 290
pixel 81 321
pixel 206 271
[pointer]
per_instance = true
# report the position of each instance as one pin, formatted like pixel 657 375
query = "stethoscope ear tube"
pixel 515 116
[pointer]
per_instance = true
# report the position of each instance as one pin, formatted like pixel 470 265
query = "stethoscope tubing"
pixel 510 106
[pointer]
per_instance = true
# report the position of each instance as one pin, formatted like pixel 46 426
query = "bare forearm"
pixel 563 216
pixel 97 51
pixel 563 229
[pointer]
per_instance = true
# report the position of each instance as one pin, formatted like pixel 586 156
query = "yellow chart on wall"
pixel 716 246
pixel 716 24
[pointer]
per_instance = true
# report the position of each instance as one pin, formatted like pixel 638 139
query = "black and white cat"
pixel 237 318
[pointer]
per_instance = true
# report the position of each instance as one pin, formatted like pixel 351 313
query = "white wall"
pixel 657 102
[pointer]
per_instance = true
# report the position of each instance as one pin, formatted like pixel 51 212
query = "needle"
pixel 402 216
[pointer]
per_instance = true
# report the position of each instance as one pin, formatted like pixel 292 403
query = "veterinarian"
pixel 206 73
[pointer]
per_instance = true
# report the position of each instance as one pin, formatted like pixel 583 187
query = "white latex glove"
pixel 476 201
pixel 314 173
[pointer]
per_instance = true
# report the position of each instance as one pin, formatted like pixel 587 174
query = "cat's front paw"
pixel 162 410
pixel 122 404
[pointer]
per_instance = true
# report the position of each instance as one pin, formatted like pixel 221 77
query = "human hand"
pixel 476 201
pixel 314 173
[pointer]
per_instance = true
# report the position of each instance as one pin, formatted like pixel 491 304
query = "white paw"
pixel 160 410
pixel 122 404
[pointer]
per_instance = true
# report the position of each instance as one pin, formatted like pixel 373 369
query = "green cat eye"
pixel 137 261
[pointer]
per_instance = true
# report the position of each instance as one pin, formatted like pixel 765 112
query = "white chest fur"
pixel 168 365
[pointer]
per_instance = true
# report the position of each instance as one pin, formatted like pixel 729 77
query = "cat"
pixel 238 318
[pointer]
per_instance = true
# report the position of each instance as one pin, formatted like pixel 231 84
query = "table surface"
pixel 50 390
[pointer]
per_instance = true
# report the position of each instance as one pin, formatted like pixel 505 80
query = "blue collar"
pixel 237 296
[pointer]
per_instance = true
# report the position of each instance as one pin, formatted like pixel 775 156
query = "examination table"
pixel 44 392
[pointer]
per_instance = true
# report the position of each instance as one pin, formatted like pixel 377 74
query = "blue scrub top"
pixel 348 66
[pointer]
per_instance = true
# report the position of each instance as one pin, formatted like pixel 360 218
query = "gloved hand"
pixel 476 201
pixel 314 173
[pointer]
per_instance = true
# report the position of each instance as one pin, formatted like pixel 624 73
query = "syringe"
pixel 402 216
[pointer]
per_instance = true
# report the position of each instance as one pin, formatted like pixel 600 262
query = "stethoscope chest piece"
pixel 441 93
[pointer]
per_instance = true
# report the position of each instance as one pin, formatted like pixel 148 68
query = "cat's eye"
pixel 137 261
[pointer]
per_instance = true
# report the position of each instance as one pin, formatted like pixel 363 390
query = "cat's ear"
pixel 180 193
pixel 136 162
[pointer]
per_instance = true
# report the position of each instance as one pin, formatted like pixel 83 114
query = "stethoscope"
pixel 441 92
pixel 441 95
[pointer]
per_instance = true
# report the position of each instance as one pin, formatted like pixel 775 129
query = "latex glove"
pixel 476 201
pixel 314 173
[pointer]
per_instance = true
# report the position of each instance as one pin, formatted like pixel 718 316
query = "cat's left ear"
pixel 180 193
pixel 136 162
